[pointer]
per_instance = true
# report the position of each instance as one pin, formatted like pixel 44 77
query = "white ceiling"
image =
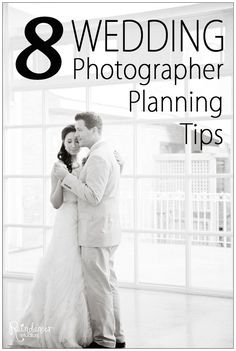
pixel 80 11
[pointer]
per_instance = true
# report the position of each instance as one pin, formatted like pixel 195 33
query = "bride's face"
pixel 71 144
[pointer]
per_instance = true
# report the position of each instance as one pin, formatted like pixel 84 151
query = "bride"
pixel 57 314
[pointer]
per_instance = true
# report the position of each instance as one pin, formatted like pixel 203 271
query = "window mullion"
pixel 44 117
pixel 188 202
pixel 135 190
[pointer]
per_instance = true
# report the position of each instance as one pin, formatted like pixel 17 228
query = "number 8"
pixel 45 46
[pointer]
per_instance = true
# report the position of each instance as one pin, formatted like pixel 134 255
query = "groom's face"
pixel 83 134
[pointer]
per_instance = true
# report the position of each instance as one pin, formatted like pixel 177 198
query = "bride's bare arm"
pixel 56 197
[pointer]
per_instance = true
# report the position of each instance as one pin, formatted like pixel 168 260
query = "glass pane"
pixel 63 104
pixel 160 149
pixel 24 201
pixel 48 236
pixel 212 262
pixel 24 248
pixel 161 204
pixel 161 259
pixel 126 203
pixel 120 137
pixel 25 108
pixel 112 100
pixel 124 259
pixel 211 202
pixel 24 151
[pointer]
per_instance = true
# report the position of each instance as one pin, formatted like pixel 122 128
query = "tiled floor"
pixel 151 319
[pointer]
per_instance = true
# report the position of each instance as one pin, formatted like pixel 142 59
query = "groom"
pixel 98 229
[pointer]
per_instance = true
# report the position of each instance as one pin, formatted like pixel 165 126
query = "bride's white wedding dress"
pixel 57 302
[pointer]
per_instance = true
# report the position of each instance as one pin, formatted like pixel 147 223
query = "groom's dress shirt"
pixel 97 190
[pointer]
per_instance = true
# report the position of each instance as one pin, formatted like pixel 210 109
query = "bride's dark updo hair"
pixel 63 155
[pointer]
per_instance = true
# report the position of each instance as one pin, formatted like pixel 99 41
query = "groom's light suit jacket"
pixel 98 204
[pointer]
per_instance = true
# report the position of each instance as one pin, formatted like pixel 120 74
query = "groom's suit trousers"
pixel 102 294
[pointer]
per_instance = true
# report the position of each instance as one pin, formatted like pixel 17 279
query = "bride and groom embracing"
pixel 75 292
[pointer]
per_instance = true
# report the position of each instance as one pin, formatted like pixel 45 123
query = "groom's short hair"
pixel 90 119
